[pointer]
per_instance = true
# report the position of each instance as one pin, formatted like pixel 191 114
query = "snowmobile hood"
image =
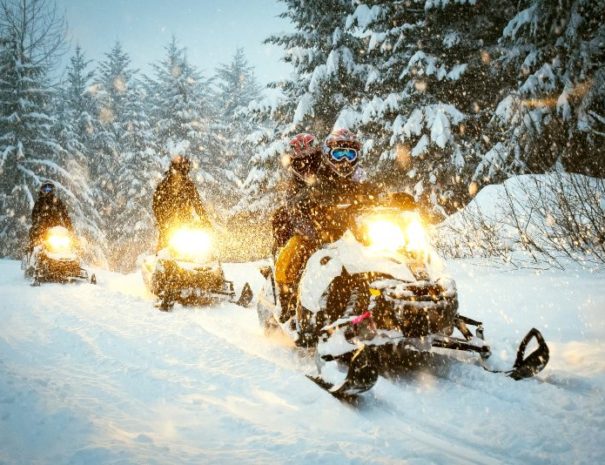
pixel 327 263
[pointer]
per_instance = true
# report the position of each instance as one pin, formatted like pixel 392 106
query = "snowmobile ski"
pixel 526 367
pixel 246 296
pixel 361 376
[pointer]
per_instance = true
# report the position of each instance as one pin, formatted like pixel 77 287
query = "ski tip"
pixel 351 399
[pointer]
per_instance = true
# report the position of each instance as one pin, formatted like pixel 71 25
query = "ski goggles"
pixel 340 154
pixel 47 188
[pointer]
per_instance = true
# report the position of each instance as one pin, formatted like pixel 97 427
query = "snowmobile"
pixel 376 297
pixel 187 272
pixel 55 259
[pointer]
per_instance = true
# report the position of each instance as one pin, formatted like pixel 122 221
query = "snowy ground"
pixel 95 375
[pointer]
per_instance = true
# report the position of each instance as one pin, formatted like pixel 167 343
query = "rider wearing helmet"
pixel 176 199
pixel 302 161
pixel 341 153
pixel 48 211
pixel 338 178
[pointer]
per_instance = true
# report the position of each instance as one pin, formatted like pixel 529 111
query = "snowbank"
pixel 549 217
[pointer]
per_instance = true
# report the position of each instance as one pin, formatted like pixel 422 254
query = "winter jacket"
pixel 48 212
pixel 313 211
pixel 176 201
pixel 280 221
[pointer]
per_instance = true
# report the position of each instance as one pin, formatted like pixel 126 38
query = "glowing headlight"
pixel 58 240
pixel 385 235
pixel 190 243
pixel 395 233
pixel 417 241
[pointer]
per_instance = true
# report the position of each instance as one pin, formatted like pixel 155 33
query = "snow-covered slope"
pixel 95 375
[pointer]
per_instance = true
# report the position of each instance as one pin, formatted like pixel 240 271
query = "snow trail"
pixel 95 375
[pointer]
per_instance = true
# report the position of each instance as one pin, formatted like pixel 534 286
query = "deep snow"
pixel 95 375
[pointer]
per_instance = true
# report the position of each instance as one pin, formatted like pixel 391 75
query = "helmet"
pixel 304 156
pixel 180 164
pixel 341 152
pixel 47 188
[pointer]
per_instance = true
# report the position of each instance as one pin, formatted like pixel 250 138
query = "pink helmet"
pixel 305 155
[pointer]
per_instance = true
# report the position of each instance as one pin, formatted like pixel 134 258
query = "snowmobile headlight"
pixel 385 235
pixel 417 240
pixel 190 243
pixel 58 240
pixel 395 233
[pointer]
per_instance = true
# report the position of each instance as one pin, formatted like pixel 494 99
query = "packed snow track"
pixel 96 375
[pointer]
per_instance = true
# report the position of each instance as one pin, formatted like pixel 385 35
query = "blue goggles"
pixel 47 188
pixel 339 154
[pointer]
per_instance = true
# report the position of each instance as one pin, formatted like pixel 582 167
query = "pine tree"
pixel 553 112
pixel 326 72
pixel 237 85
pixel 127 165
pixel 30 154
pixel 428 92
pixel 236 89
pixel 75 127
pixel 326 76
pixel 185 120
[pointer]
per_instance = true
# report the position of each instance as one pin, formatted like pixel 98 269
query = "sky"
pixel 211 31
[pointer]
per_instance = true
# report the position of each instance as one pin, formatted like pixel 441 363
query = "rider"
pixel 303 161
pixel 48 211
pixel 338 178
pixel 176 199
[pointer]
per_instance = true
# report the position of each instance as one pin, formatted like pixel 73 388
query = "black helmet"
pixel 47 188
pixel 181 164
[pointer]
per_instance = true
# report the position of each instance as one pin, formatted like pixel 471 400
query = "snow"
pixel 95 375
pixel 522 18
pixel 364 16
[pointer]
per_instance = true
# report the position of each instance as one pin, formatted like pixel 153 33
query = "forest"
pixel 448 97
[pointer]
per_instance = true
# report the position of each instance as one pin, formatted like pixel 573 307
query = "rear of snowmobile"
pixel 376 297
pixel 55 259
pixel 188 272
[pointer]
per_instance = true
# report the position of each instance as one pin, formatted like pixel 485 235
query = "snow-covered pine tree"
pixel 236 88
pixel 127 166
pixel 237 85
pixel 428 91
pixel 553 113
pixel 75 126
pixel 325 79
pixel 184 120
pixel 32 34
